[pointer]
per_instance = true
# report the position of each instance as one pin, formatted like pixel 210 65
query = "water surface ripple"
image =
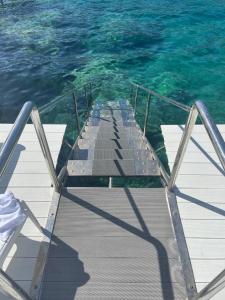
pixel 175 47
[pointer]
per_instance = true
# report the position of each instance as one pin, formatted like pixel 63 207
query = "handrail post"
pixel 212 130
pixel 147 113
pixel 90 92
pixel 131 92
pixel 44 146
pixel 110 182
pixel 163 98
pixel 76 114
pixel 10 287
pixel 13 137
pixel 85 96
pixel 135 99
pixel 183 145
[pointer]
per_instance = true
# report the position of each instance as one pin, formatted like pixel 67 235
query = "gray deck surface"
pixel 113 244
pixel 112 145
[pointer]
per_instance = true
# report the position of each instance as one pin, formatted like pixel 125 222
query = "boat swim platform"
pixel 28 178
pixel 117 243
pixel 200 196
pixel 106 231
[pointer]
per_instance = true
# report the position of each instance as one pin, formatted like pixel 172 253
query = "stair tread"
pixel 84 154
pixel 102 123
pixel 108 134
pixel 124 167
pixel 112 143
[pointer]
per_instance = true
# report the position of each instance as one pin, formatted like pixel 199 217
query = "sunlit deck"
pixel 27 177
pixel 117 243
pixel 201 201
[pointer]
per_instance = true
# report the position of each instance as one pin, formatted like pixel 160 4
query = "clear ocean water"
pixel 175 47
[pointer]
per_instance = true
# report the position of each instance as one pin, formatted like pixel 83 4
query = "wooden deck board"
pixel 201 199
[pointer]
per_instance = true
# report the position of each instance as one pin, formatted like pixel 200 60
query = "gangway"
pixel 119 242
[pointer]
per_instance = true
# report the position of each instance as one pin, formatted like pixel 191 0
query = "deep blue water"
pixel 174 47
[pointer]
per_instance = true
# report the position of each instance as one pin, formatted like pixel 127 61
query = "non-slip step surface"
pixel 112 154
pixel 108 167
pixel 103 123
pixel 109 134
pixel 111 143
pixel 111 291
pixel 113 244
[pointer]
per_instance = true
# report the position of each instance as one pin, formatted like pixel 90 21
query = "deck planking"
pixel 27 177
pixel 201 201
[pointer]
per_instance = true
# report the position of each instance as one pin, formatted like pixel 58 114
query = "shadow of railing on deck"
pixel 64 272
pixel 199 202
pixel 65 276
pixel 192 199
pixel 219 168
pixel 164 269
pixel 161 251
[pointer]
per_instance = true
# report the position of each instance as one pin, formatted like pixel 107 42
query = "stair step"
pixel 98 122
pixel 107 119
pixel 113 106
pixel 109 130
pixel 88 154
pixel 111 144
pixel 112 115
pixel 109 134
pixel 111 168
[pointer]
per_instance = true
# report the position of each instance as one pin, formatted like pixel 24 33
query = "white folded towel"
pixel 11 215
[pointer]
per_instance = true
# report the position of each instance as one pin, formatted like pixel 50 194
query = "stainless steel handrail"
pixel 212 288
pixel 12 289
pixel 161 97
pixel 198 109
pixel 28 110
pixel 13 137
pixel 76 113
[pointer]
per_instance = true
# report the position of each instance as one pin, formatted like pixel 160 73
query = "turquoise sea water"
pixel 175 47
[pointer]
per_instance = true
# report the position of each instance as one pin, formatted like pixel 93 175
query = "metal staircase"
pixel 130 240
pixel 112 144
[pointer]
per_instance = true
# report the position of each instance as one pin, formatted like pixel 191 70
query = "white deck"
pixel 27 177
pixel 201 201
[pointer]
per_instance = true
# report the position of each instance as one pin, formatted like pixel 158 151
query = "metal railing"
pixel 87 92
pixel 158 96
pixel 135 88
pixel 88 96
pixel 13 290
pixel 28 110
pixel 197 109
